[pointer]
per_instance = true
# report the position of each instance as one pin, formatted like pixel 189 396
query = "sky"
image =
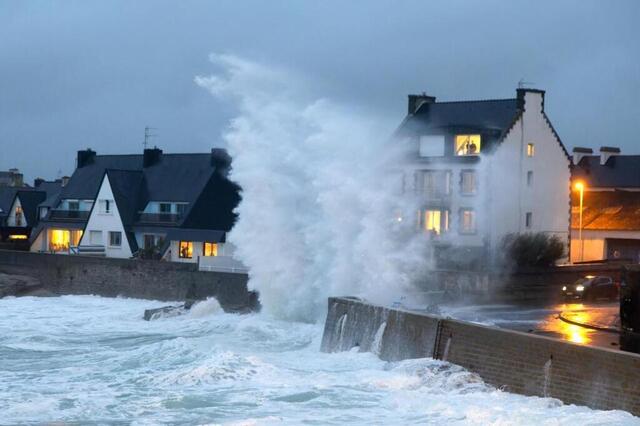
pixel 93 74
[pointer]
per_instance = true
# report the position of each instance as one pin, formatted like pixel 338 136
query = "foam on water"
pixel 89 359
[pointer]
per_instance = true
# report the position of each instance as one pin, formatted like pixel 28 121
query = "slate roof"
pixel 129 193
pixel 607 210
pixel 620 171
pixel 214 208
pixel 176 177
pixel 7 195
pixel 497 115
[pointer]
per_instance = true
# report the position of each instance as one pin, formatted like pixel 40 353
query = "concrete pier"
pixel 514 361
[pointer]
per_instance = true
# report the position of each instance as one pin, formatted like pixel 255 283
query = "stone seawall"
pixel 517 362
pixel 144 279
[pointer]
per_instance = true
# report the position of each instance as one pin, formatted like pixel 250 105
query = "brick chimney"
pixel 579 153
pixel 151 157
pixel 85 158
pixel 221 160
pixel 606 152
pixel 416 101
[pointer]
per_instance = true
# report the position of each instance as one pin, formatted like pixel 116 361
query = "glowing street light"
pixel 579 186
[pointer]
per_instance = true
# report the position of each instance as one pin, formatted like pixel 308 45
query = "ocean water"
pixel 92 360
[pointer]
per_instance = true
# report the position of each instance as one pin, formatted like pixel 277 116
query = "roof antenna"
pixel 148 135
pixel 522 84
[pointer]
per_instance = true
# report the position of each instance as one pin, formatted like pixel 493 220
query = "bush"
pixel 533 249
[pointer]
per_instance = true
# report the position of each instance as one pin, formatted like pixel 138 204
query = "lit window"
pixel 529 178
pixel 17 237
pixel 115 239
pixel 468 182
pixel 59 240
pixel 186 250
pixel 531 150
pixel 105 206
pixel 467 144
pixel 528 219
pixel 436 221
pixel 467 221
pixel 210 249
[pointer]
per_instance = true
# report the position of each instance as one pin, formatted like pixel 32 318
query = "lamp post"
pixel 580 187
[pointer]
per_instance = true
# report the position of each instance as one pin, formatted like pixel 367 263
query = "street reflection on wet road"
pixel 545 320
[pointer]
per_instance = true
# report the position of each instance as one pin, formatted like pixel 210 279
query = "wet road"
pixel 545 321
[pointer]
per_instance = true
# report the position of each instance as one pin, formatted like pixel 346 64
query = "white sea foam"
pixel 321 197
pixel 104 364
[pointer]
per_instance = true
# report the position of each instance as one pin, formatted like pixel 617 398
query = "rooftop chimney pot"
pixel 416 101
pixel 579 153
pixel 151 157
pixel 606 152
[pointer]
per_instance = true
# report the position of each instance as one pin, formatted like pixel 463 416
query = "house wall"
pixel 548 198
pixel 456 201
pixel 105 223
pixel 595 244
pixel 198 251
pixel 11 218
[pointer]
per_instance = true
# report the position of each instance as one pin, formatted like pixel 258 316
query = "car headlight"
pixel 564 288
pixel 579 288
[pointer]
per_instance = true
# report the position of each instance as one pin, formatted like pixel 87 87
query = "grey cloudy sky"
pixel 77 74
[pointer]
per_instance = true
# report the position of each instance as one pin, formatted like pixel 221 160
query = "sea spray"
pixel 322 210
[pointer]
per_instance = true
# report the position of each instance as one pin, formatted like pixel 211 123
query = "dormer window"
pixel 467 144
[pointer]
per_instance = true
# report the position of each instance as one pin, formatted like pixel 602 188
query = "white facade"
pixel 523 185
pixel 16 216
pixel 104 227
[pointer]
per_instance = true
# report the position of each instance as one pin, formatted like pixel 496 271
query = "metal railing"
pixel 159 217
pixel 69 214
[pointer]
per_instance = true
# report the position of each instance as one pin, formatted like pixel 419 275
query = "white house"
pixel 177 207
pixel 485 169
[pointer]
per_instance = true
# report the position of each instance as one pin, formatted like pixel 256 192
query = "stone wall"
pixel 518 362
pixel 144 279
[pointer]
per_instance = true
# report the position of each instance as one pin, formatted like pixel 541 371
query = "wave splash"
pixel 322 211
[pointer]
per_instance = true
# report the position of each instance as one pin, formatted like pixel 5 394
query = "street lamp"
pixel 580 187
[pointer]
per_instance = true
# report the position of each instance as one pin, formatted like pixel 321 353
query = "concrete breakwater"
pixel 516 362
pixel 60 275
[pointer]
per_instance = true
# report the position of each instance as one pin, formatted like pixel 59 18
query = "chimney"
pixel 221 160
pixel 65 180
pixel 607 152
pixel 524 95
pixel 416 101
pixel 85 158
pixel 151 157
pixel 37 182
pixel 579 153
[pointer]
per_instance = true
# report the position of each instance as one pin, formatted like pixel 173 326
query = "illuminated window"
pixel 115 239
pixel 18 215
pixel 17 237
pixel 468 182
pixel 467 144
pixel 186 250
pixel 436 221
pixel 467 221
pixel 531 150
pixel 59 240
pixel 210 249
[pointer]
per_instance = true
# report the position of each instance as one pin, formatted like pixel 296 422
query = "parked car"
pixel 591 288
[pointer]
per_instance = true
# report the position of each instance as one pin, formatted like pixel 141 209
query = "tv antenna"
pixel 148 134
pixel 522 84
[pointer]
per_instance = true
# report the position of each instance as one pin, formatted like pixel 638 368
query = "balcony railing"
pixel 164 218
pixel 69 214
